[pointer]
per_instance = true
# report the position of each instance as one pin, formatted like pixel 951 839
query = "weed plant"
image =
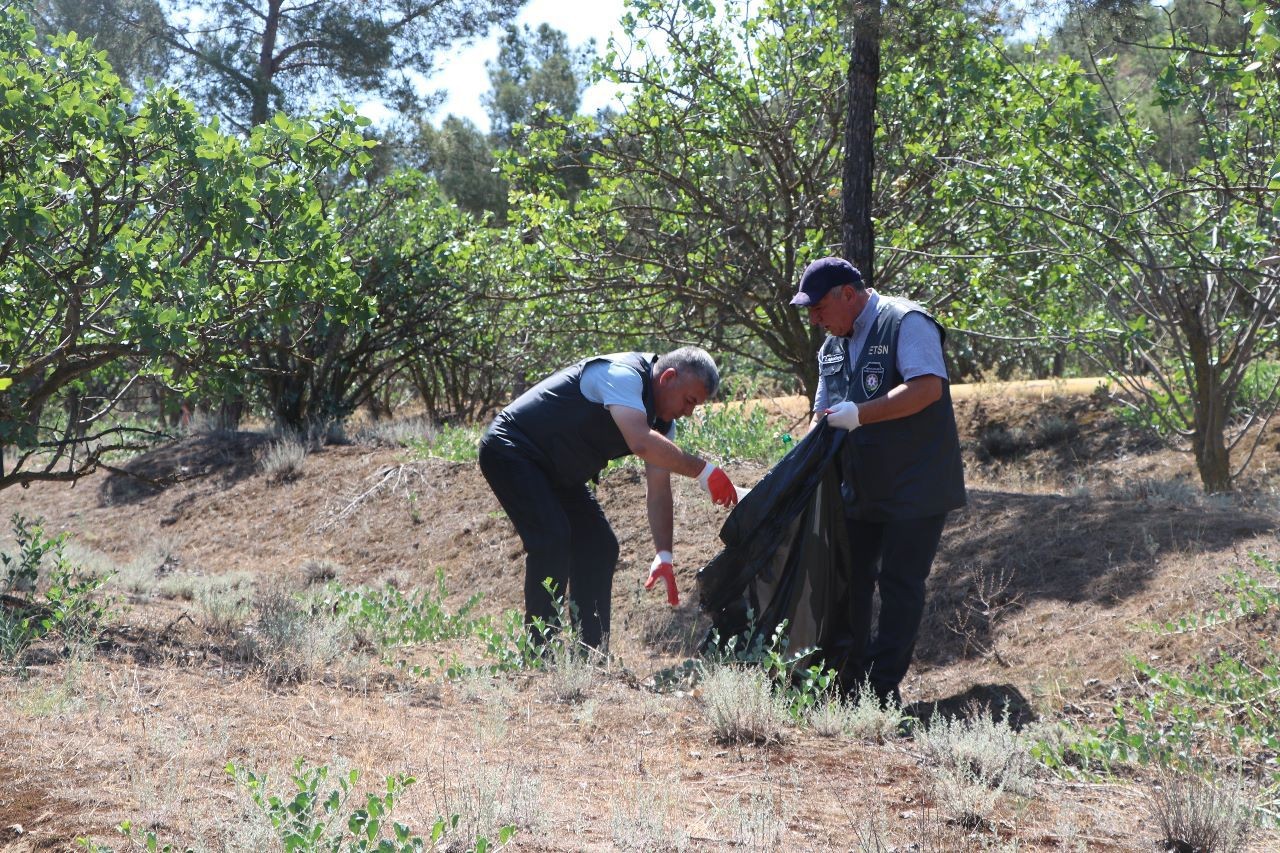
pixel 1215 714
pixel 283 459
pixel 733 433
pixel 292 641
pixel 973 760
pixel 451 442
pixel 46 594
pixel 1195 813
pixel 742 706
pixel 643 819
pixel 387 619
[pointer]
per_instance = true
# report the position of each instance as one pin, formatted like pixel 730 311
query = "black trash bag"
pixel 786 557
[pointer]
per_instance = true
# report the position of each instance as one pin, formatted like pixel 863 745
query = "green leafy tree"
pixel 537 75
pixel 463 159
pixel 1178 264
pixel 122 28
pixel 245 59
pixel 138 242
pixel 723 177
pixel 537 78
pixel 401 239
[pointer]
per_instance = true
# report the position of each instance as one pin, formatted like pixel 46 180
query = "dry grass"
pixel 742 706
pixel 282 460
pixel 1199 815
pixel 581 758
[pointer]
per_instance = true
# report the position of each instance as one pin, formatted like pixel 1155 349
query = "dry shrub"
pixel 282 460
pixel 398 432
pixel 1157 492
pixel 642 818
pixel 224 602
pixel 570 668
pixel 742 705
pixel 872 721
pixel 972 762
pixel 487 797
pixel 830 716
pixel 1199 815
pixel 290 641
pixel 756 821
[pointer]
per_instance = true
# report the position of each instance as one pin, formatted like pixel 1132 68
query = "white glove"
pixel 843 415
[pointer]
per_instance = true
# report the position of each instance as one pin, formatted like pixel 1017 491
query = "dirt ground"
pixel 1078 531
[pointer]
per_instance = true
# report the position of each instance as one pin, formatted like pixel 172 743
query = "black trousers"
pixel 566 538
pixel 896 556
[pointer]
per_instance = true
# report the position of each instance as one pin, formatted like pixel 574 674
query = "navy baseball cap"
pixel 821 277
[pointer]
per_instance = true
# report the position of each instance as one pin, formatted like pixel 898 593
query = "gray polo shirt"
pixel 919 346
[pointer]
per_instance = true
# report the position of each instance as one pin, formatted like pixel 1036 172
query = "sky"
pixel 463 75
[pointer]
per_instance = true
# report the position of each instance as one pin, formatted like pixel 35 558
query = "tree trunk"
pixel 1208 437
pixel 259 110
pixel 856 232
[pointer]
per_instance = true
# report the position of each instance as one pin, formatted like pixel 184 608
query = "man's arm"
pixel 658 499
pixel 902 401
pixel 652 446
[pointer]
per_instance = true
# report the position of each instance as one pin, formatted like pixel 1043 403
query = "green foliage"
pixel 537 75
pixel 388 618
pixel 1175 309
pixel 1219 713
pixel 801 682
pixel 271 57
pixel 324 815
pixel 452 442
pixel 734 431
pixel 64 606
pixel 143 243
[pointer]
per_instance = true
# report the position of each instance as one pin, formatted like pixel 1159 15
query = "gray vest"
pixel 899 469
pixel 569 436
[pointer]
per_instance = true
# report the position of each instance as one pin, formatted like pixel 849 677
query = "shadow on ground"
pixel 1010 549
pixel 224 456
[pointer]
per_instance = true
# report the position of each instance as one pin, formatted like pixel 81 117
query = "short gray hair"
pixel 693 360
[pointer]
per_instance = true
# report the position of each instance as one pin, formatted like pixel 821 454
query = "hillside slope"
pixel 1078 532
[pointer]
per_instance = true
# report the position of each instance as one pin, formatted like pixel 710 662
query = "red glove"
pixel 661 568
pixel 717 483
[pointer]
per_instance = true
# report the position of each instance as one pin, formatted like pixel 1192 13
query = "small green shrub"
pixel 733 432
pixel 65 605
pixel 321 815
pixel 1215 714
pixel 388 618
pixel 455 443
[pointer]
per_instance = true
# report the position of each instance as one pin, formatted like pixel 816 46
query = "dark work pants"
pixel 566 538
pixel 896 555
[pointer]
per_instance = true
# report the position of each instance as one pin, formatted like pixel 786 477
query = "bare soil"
pixel 1079 530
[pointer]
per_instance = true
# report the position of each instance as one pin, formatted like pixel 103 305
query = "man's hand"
pixel 662 568
pixel 843 415
pixel 718 485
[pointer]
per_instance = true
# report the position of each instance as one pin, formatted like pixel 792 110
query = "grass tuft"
pixel 1197 814
pixel 742 705
pixel 282 460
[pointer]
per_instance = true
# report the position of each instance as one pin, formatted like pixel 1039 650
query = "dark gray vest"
pixel 904 468
pixel 571 437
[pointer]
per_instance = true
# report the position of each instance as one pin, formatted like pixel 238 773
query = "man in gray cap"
pixel 881 376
